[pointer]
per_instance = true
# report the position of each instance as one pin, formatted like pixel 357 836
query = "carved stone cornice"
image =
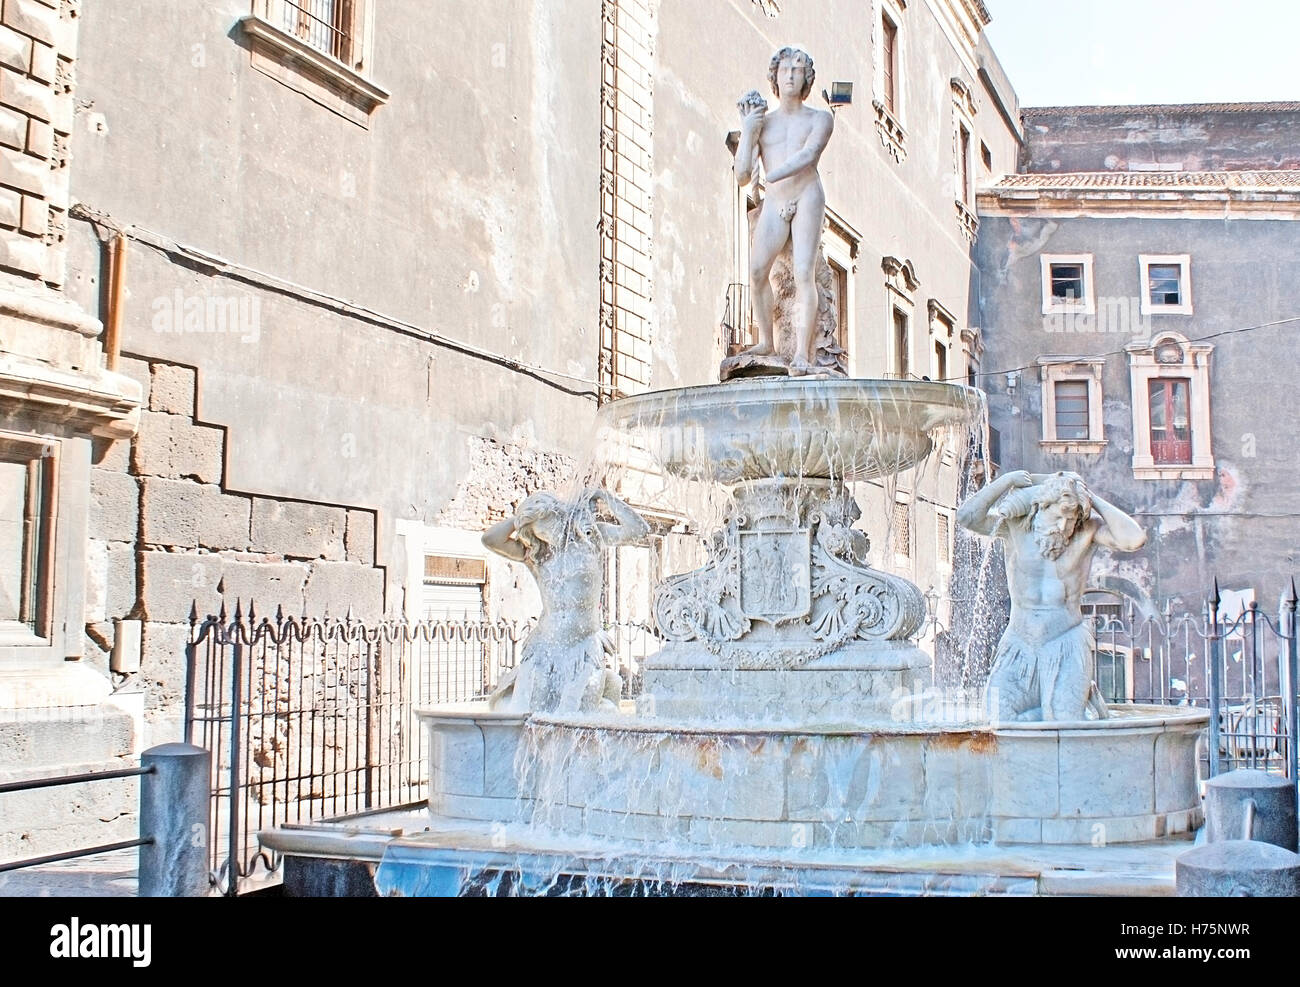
pixel 98 402
pixel 900 271
pixel 892 135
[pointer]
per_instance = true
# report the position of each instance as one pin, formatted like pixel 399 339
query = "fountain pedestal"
pixel 786 622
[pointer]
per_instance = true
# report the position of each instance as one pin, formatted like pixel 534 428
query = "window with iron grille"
pixel 902 529
pixel 319 48
pixel 329 26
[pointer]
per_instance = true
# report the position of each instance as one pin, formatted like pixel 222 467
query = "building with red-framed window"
pixel 1138 313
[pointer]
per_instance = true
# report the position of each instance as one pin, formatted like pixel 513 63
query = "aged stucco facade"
pixel 1182 222
pixel 371 302
pixel 373 282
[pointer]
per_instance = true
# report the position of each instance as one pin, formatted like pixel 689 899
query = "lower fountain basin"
pixel 644 780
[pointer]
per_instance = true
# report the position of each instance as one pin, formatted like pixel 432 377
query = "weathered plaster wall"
pixel 1193 137
pixel 1239 527
pixel 285 437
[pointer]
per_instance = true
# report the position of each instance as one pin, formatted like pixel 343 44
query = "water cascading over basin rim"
pixel 755 428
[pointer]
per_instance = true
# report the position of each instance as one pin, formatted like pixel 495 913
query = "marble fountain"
pixel 777 744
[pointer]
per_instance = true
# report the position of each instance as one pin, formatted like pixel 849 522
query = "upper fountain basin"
pixel 752 428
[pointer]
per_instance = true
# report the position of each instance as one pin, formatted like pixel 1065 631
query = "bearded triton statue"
pixel 563 544
pixel 1051 525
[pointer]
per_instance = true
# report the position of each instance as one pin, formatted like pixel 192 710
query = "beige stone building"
pixel 299 297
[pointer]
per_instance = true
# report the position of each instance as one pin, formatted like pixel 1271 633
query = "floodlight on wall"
pixel 841 94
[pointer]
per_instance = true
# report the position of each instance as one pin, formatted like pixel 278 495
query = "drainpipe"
pixel 116 297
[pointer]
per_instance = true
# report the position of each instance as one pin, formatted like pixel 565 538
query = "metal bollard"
pixel 1231 798
pixel 174 813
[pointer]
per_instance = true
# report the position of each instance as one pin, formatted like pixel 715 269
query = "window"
pixel 840 245
pixel 1114 670
pixel 27 516
pixel 1072 408
pixel 320 48
pixel 902 343
pixel 963 114
pixel 453 588
pixel 902 529
pixel 1171 436
pixel 901 283
pixel 1166 284
pixel 1103 608
pixel 326 25
pixel 1067 283
pixel 940 361
pixel 1170 380
pixel 963 162
pixel 889 62
pixel 888 101
pixel 943 538
pixel 840 298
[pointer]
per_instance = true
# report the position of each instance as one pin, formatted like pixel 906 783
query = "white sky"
pixel 1148 51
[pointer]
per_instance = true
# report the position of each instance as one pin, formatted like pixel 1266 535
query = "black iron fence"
pixel 1242 664
pixel 310 717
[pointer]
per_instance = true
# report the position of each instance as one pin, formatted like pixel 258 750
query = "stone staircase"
pixel 90 730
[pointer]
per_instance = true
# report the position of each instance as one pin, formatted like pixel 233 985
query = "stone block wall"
pixel 37 52
pixel 166 533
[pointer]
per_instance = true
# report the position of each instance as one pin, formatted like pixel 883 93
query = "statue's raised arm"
pixel 1051 525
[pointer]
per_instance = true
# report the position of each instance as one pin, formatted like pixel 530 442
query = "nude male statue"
pixel 563 665
pixel 1051 525
pixel 790 141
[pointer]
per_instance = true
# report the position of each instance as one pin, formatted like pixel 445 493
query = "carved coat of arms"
pixel 774 568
